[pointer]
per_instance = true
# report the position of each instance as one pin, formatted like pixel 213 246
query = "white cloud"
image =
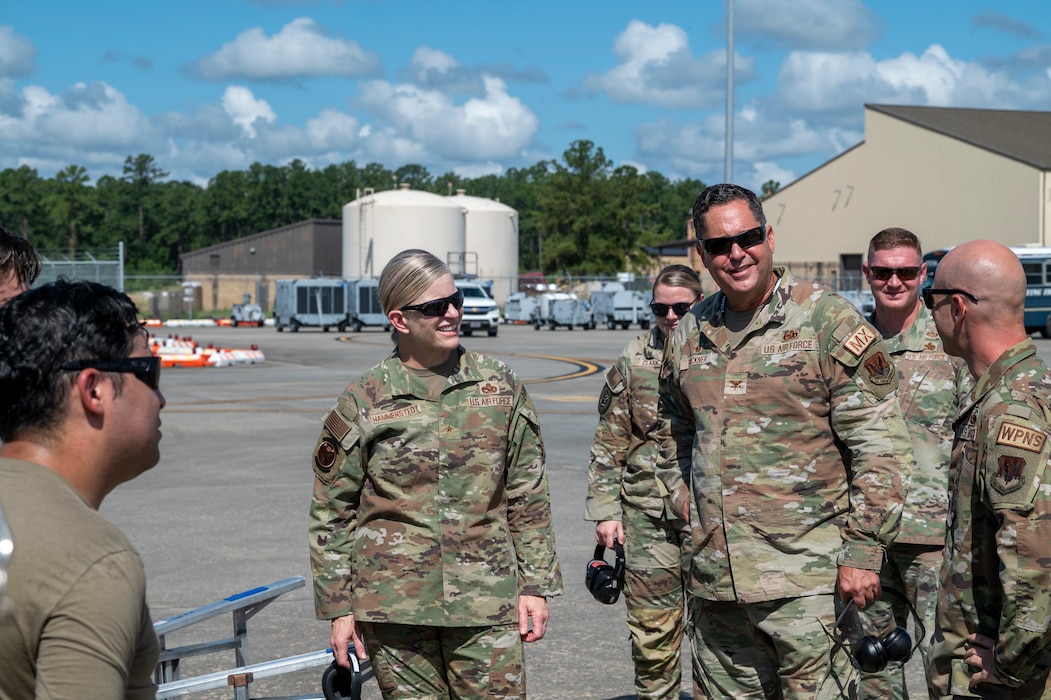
pixel 85 118
pixel 17 54
pixel 656 67
pixel 833 86
pixel 301 49
pixel 494 126
pixel 244 109
pixel 810 24
pixel 697 149
pixel 332 130
pixel 764 171
pixel 431 68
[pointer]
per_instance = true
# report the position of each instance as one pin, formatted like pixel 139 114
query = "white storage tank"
pixel 492 235
pixel 379 225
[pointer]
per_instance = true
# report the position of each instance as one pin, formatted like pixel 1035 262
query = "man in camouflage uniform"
pixel 930 386
pixel 431 509
pixel 994 605
pixel 787 437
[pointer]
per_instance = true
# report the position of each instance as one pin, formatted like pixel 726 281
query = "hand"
pixel 861 585
pixel 534 608
pixel 345 632
pixel 979 654
pixel 607 530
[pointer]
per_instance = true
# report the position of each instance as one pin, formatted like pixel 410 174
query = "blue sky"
pixel 479 88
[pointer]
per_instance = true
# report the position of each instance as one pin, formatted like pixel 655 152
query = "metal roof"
pixel 1019 135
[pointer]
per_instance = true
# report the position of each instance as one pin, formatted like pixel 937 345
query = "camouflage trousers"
pixel 777 649
pixel 655 599
pixel 446 663
pixel 913 570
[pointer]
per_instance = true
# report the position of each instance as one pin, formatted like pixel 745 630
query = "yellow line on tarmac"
pixel 586 369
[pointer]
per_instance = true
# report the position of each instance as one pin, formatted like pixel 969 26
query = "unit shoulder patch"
pixel 1015 461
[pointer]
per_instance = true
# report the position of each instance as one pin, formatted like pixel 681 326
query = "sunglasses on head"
pixel 905 274
pixel 147 369
pixel 681 308
pixel 437 307
pixel 746 239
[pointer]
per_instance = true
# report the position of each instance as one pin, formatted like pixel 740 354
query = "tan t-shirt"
pixel 74 621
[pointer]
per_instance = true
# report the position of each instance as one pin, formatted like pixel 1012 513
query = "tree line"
pixel 578 215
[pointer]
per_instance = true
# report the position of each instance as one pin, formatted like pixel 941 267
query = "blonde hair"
pixel 679 276
pixel 407 276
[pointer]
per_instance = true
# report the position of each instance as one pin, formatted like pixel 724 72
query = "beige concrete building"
pixel 948 175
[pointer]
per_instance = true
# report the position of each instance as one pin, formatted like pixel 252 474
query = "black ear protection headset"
pixel 337 683
pixel 871 654
pixel 605 581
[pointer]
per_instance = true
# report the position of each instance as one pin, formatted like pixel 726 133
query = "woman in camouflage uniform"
pixel 627 500
pixel 430 529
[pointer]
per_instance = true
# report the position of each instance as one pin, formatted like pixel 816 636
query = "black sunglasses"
pixel 437 307
pixel 747 239
pixel 929 292
pixel 905 274
pixel 148 369
pixel 681 308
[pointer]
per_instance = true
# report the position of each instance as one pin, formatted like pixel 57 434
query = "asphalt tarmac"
pixel 225 510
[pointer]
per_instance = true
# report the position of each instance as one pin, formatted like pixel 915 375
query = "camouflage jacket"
pixel 996 580
pixel 791 444
pixel 930 387
pixel 624 454
pixel 431 509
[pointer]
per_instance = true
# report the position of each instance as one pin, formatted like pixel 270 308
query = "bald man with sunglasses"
pixel 993 638
pixel 80 406
pixel 787 446
pixel 931 385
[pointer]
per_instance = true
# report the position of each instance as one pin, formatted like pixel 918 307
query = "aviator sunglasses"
pixel 747 239
pixel 147 369
pixel 437 307
pixel 905 274
pixel 661 310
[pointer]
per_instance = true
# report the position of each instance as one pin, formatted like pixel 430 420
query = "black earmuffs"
pixel 340 684
pixel 604 581
pixel 871 654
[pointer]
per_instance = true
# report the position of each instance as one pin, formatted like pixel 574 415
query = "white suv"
pixel 480 312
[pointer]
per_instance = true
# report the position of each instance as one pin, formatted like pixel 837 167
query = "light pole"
pixel 728 164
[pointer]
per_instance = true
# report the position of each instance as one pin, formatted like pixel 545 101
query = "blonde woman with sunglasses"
pixel 626 500
pixel 431 539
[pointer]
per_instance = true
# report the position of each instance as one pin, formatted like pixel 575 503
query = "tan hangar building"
pixel 949 175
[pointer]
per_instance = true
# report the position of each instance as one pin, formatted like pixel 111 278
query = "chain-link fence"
pixel 104 265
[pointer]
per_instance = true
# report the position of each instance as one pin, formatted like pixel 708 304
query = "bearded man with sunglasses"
pixel 784 439
pixel 931 385
pixel 79 415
